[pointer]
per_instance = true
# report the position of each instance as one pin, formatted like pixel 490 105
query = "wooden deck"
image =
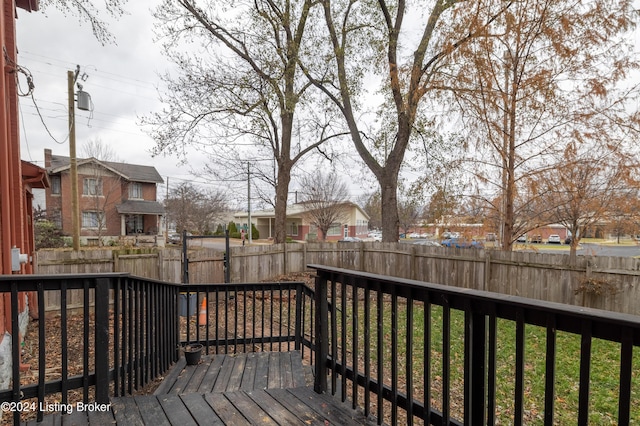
pixel 265 388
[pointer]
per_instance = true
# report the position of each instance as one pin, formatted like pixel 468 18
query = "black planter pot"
pixel 192 353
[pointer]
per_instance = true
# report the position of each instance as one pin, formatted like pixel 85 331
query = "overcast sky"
pixel 121 79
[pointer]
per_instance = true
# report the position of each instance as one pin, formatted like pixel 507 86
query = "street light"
pixel 84 101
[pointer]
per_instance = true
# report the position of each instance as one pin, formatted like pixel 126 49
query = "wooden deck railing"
pixel 408 351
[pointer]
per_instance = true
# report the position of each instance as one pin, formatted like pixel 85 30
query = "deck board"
pixel 241 389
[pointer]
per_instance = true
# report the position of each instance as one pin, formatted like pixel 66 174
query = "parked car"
pixel 377 237
pixel 174 238
pixel 460 243
pixel 554 239
pixel 414 235
pixel 429 243
pixel 536 239
pixel 350 240
pixel 522 238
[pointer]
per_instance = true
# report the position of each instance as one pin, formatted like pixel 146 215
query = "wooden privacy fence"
pixel 610 283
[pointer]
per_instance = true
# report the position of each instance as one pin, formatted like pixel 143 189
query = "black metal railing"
pixel 113 334
pixel 407 352
pixel 116 333
pixel 234 318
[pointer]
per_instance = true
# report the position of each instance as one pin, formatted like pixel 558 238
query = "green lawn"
pixel 604 367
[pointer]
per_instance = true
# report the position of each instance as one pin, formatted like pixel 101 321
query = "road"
pixel 585 249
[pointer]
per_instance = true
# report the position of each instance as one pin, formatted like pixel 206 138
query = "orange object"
pixel 202 318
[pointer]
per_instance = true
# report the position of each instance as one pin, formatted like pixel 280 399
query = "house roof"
pixel 294 210
pixel 34 175
pixel 140 207
pixel 130 172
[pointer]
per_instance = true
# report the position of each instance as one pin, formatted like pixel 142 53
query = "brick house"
pixel 117 200
pixel 300 226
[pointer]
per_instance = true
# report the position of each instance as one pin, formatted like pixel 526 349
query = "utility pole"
pixel 83 104
pixel 73 161
pixel 249 199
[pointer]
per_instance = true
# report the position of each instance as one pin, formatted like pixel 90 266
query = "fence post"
pixel 102 340
pixel 322 333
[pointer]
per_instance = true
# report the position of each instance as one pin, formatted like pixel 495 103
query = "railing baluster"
pixel 101 293
pixel 446 360
pixel 550 370
pixel 394 357
pixel 355 349
pixel 367 349
pixel 427 357
pixel 519 386
pixel 64 342
pixel 626 373
pixel 322 330
pixel 380 344
pixel 15 349
pixel 585 371
pixel 491 366
pixel 42 358
pixel 85 349
pixel 343 340
pixel 117 305
pixel 409 359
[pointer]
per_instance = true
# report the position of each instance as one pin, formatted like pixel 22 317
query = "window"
pixel 335 229
pixel 135 224
pixel 135 190
pixel 293 229
pixel 93 220
pixel 92 186
pixel 55 185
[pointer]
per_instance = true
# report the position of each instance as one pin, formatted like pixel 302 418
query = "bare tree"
pixel 89 12
pixel 237 98
pixel 194 209
pixel 102 185
pixel 592 185
pixel 374 39
pixel 326 198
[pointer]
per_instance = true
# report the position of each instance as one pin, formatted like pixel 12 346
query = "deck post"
pixel 322 333
pixel 102 340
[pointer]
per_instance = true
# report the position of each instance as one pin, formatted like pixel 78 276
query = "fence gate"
pixel 185 254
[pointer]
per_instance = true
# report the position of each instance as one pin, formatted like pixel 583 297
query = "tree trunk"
pixel 282 194
pixel 389 207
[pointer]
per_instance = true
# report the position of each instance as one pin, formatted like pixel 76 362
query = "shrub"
pixel 48 235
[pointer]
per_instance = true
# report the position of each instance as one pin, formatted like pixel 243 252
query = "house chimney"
pixel 47 158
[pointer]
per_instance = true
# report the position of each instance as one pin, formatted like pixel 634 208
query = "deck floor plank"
pixel 235 378
pixel 227 412
pixel 197 376
pixel 276 410
pixel 249 409
pixel 126 412
pixel 150 411
pixel 176 411
pixel 261 380
pixel 249 376
pixel 223 377
pixel 202 412
pixel 267 388
pixel 211 375
pixel 274 380
pixel 170 379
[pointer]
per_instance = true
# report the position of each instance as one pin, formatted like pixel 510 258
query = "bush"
pixel 255 234
pixel 48 235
